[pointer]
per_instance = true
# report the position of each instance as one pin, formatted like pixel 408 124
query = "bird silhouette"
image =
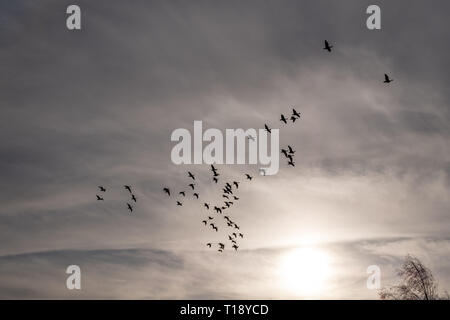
pixel 386 79
pixel 267 128
pixel 167 190
pixel 235 198
pixel 101 188
pixel 241 235
pixel 236 226
pixel 291 163
pixel 293 119
pixel 327 46
pixel 218 210
pixel 230 238
pixel 179 203
pixel 295 113
pixel 225 196
pixel 206 205
pixel 99 198
pixel 191 175
pixel 236 184
pixel 210 218
pixel 182 193
pixel 289 156
pixel 133 198
pixel 234 234
pixel 208 244
pixel 196 195
pixel 128 188
pixel 235 247
pixel 292 151
pixel 215 180
pixel 249 177
pixel 284 151
pixel 283 118
pixel 130 207
pixel 221 245
pixel 213 169
pixel 192 186
pixel 205 222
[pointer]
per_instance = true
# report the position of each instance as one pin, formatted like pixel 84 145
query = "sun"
pixel 304 271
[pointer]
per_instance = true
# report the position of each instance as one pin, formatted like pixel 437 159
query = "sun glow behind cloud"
pixel 304 271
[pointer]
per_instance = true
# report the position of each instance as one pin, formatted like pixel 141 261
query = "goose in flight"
pixel 225 196
pixel 196 195
pixel 291 151
pixel 289 156
pixel 241 235
pixel 205 222
pixel 386 79
pixel 218 210
pixel 209 244
pixel 179 203
pixel 249 177
pixel 284 151
pixel 130 207
pixel 267 128
pixel 327 46
pixel 293 119
pixel 235 198
pixel 221 245
pixel 235 247
pixel 206 205
pixel 215 180
pixel 236 184
pixel 166 190
pixel 182 193
pixel 295 113
pixel 213 169
pixel 291 163
pixel 133 197
pixel 128 188
pixel 99 198
pixel 191 175
pixel 210 218
pixel 283 118
pixel 102 189
pixel 234 234
pixel 192 185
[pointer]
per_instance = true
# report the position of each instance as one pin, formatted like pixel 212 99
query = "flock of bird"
pixel 128 188
pixel 228 190
pixel 213 221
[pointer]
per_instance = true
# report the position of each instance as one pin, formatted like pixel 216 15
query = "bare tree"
pixel 417 283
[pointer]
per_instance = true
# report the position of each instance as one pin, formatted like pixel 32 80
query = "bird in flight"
pixel 221 245
pixel 387 79
pixel 327 46
pixel 234 234
pixel 291 151
pixel 210 218
pixel 206 205
pixel 293 119
pixel 130 207
pixel 192 186
pixel 182 193
pixel 166 190
pixel 295 113
pixel 267 128
pixel 291 163
pixel 191 175
pixel 102 189
pixel 196 195
pixel 179 203
pixel 208 244
pixel 225 196
pixel 235 198
pixel 235 247
pixel 214 227
pixel 213 169
pixel 133 198
pixel 236 184
pixel 99 198
pixel 289 156
pixel 283 118
pixel 218 210
pixel 128 188
pixel 284 151
pixel 249 177
pixel 205 222
pixel 241 235
pixel 215 180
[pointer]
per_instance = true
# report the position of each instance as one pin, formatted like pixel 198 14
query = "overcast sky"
pixel 97 107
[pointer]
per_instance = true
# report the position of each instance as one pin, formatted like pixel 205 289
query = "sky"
pixel 97 106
